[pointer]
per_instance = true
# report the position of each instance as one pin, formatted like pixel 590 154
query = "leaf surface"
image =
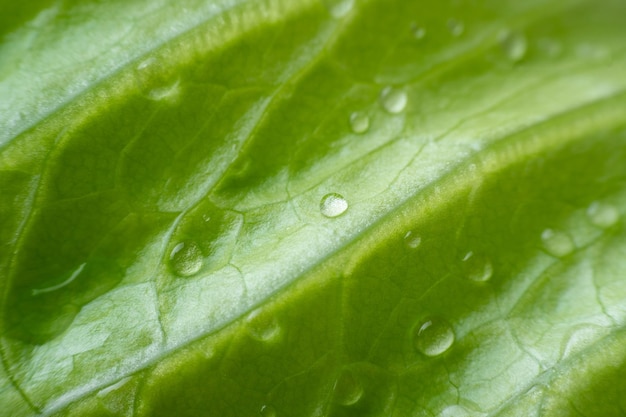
pixel 312 208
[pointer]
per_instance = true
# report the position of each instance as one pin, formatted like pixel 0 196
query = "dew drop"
pixel 513 44
pixel 186 259
pixel 393 100
pixel 456 27
pixel 348 390
pixel 602 214
pixel 477 268
pixel 262 327
pixel 418 31
pixel 339 8
pixel 267 411
pixel 333 205
pixel 359 122
pixel 412 240
pixel 433 337
pixel 557 243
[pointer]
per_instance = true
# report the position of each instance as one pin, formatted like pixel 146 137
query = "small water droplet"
pixel 169 92
pixel 602 214
pixel 206 217
pixel 433 337
pixel 557 243
pixel 550 47
pixel 477 268
pixel 359 122
pixel 455 411
pixel 339 8
pixel 412 240
pixel 267 411
pixel 456 27
pixel 333 205
pixel 513 44
pixel 186 259
pixel 418 32
pixel 155 83
pixel 580 337
pixel 393 99
pixel 348 389
pixel 262 327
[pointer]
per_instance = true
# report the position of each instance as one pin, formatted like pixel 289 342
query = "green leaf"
pixel 312 208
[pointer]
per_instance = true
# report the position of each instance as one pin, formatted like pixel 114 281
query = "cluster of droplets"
pixel 559 243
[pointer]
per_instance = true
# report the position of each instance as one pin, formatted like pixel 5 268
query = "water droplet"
pixel 602 214
pixel 333 205
pixel 455 411
pixel 580 337
pixel 169 92
pixel 339 8
pixel 557 243
pixel 433 337
pixel 348 389
pixel 418 31
pixel 477 268
pixel 456 27
pixel 359 122
pixel 412 240
pixel 393 99
pixel 267 411
pixel 156 83
pixel 513 44
pixel 186 259
pixel 262 327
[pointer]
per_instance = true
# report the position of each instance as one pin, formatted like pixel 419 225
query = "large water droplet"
pixel 513 44
pixel 262 327
pixel 359 122
pixel 267 411
pixel 339 8
pixel 393 99
pixel 477 268
pixel 186 258
pixel 333 205
pixel 557 243
pixel 602 214
pixel 412 239
pixel 348 389
pixel 433 337
pixel 456 27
